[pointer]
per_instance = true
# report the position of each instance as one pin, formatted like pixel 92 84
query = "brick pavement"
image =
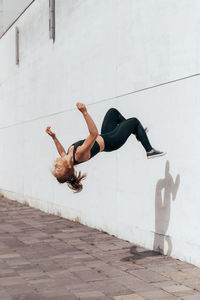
pixel 45 257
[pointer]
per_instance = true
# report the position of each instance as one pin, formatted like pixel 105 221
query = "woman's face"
pixel 60 166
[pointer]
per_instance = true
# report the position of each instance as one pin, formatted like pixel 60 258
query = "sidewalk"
pixel 47 257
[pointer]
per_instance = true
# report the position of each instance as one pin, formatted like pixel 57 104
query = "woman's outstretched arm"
pixel 59 147
pixel 89 121
pixel 89 142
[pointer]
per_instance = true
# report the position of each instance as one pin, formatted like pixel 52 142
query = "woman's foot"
pixel 155 153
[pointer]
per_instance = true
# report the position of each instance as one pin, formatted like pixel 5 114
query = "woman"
pixel 114 133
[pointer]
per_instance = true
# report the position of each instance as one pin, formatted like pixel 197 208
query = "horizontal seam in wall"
pixel 103 100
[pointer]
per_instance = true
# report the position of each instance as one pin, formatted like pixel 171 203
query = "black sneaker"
pixel 155 153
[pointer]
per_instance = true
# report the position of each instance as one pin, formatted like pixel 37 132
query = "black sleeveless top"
pixel 94 150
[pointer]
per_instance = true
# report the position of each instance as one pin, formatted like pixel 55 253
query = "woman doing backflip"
pixel 115 131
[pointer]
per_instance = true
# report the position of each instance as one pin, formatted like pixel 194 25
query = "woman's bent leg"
pixel 112 118
pixel 116 138
pixel 142 137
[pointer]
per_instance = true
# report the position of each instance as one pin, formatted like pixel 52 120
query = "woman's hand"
pixel 81 107
pixel 48 130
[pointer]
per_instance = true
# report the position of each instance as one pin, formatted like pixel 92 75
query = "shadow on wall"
pixel 166 190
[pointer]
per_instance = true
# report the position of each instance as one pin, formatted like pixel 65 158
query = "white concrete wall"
pixel 141 57
pixel 1 17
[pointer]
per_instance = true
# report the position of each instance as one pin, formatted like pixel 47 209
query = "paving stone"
pixel 49 266
pixel 9 281
pixel 162 268
pixel 185 293
pixel 184 265
pixel 148 275
pixel 82 287
pixel 107 246
pixel 56 292
pixel 191 272
pixel 105 298
pixel 168 298
pixel 111 288
pixel 89 295
pixel 14 243
pixel 9 255
pixel 42 281
pixel 83 258
pixel 7 273
pixel 129 297
pixel 33 275
pixel 163 284
pixel 154 294
pixel 20 290
pixel 28 297
pixel 133 283
pixel 176 288
pixel 177 275
pixel 78 268
pixel 4 295
pixel 9 228
pixel 90 275
pixel 65 297
pixel 127 266
pixel 65 281
pixel 17 262
pixel 3 246
pixel 109 270
pixel 192 283
pixel 191 297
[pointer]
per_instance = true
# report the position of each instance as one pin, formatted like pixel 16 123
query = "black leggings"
pixel 116 129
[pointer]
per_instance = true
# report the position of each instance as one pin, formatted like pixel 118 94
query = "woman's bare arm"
pixel 89 142
pixel 59 147
pixel 89 121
